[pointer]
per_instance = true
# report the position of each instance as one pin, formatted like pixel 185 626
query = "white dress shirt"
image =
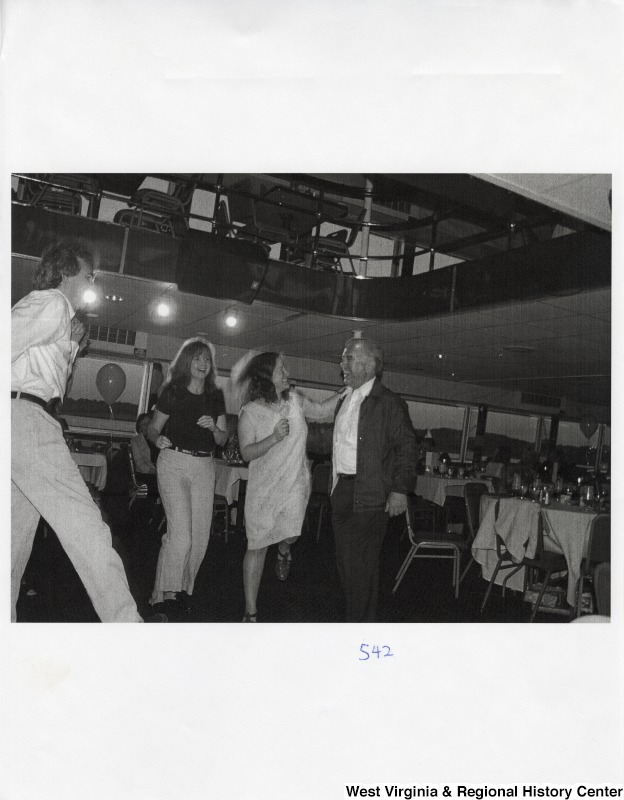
pixel 42 350
pixel 346 429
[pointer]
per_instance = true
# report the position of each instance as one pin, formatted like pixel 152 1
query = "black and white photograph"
pixel 314 327
pixel 482 303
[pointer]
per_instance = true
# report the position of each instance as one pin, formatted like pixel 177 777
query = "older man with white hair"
pixel 374 460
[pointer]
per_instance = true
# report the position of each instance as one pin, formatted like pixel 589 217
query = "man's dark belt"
pixel 32 398
pixel 196 453
pixel 346 477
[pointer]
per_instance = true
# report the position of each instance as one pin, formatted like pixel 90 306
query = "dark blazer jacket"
pixel 386 449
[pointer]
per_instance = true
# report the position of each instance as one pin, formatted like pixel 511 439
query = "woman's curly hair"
pixel 258 375
pixel 59 260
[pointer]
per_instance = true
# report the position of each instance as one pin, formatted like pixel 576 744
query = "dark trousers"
pixel 358 536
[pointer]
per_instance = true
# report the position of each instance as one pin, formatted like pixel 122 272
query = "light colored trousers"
pixel 45 481
pixel 186 486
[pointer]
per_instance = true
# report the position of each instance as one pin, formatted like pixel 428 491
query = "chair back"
pixel 599 542
pixel 185 190
pixel 140 489
pixel 416 519
pixel 131 218
pixel 472 498
pixel 160 204
pixel 410 516
pixel 321 479
pixel 602 588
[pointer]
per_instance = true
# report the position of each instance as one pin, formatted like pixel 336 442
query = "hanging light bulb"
pixel 231 318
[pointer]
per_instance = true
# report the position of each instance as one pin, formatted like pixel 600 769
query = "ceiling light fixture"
pixel 163 310
pixel 89 296
pixel 231 317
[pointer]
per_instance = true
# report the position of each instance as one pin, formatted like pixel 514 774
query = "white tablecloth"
pixel 92 467
pixel 228 480
pixel 566 530
pixel 437 489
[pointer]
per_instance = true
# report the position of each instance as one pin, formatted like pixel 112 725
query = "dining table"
pixel 92 467
pixel 566 530
pixel 436 488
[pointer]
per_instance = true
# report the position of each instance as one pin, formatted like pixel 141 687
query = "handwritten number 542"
pixel 374 651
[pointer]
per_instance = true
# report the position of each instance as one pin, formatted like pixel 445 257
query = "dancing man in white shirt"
pixel 374 458
pixel 46 337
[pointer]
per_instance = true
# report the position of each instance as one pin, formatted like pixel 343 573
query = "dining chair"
pixel 267 230
pixel 336 246
pixel 156 210
pixel 598 551
pixel 472 499
pixel 426 516
pixel 140 491
pixel 437 544
pixel 137 489
pixel 65 195
pixel 221 511
pixel 543 561
pixel 319 495
pixel 546 562
pixel 602 588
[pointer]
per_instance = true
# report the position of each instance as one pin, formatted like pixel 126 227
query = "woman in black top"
pixel 187 424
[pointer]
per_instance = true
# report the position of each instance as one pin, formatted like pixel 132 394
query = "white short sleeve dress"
pixel 278 487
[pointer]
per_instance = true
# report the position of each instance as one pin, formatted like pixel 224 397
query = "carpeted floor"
pixel 52 591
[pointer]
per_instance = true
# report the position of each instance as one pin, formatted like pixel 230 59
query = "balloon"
pixel 589 427
pixel 110 381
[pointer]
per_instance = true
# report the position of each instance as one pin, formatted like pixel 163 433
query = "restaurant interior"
pixel 490 295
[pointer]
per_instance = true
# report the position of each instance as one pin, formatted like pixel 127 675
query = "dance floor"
pixel 52 591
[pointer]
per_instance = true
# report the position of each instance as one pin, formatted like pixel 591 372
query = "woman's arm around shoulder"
pixel 319 409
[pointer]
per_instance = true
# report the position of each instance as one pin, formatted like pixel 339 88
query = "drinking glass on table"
pixel 588 496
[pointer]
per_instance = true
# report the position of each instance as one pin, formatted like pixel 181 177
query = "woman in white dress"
pixel 272 434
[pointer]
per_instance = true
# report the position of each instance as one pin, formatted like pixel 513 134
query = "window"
pixel 85 407
pixel 579 441
pixel 516 431
pixel 443 423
